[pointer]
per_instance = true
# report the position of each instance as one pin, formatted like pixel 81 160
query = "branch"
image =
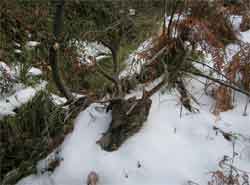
pixel 171 18
pixel 164 17
pixel 220 82
pixel 155 89
pixel 156 55
pixel 110 78
pixel 114 55
pixel 217 71
pixel 53 51
pixel 105 74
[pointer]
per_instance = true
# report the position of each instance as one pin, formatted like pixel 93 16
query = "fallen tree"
pixel 168 57
pixel 167 60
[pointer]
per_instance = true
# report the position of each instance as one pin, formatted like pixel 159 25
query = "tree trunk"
pixel 128 117
pixel 53 52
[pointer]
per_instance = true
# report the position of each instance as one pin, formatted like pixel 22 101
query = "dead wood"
pixel 185 98
pixel 53 51
pixel 124 125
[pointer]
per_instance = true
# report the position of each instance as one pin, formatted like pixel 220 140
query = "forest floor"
pixel 173 147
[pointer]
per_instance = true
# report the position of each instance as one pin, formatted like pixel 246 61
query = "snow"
pixel 169 149
pixel 20 97
pixel 17 94
pixel 87 50
pixel 173 147
pixel 9 72
pixel 230 51
pixel 17 44
pixel 236 21
pixel 246 36
pixel 134 62
pixel 34 72
pixel 18 51
pixel 4 68
pixel 32 44
pixel 58 100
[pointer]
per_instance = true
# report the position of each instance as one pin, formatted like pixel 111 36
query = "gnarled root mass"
pixel 128 117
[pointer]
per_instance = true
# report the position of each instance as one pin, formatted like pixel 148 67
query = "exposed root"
pixel 128 117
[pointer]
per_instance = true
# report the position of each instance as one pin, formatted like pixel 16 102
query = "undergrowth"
pixel 29 136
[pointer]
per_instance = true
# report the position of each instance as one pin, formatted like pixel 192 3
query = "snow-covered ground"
pixel 168 150
pixel 16 93
pixel 173 147
pixel 87 50
pixel 22 95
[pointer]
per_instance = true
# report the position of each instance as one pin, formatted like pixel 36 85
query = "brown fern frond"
pixel 223 96
pixel 241 61
pixel 198 31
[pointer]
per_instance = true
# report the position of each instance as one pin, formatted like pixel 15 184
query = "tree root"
pixel 128 117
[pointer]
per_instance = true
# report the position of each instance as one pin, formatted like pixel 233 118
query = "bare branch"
pixel 105 74
pixel 53 51
pixel 110 78
pixel 164 17
pixel 221 82
pixel 157 55
pixel 114 55
pixel 217 71
pixel 175 6
pixel 156 88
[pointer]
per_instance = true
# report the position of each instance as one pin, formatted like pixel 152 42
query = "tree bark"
pixel 53 52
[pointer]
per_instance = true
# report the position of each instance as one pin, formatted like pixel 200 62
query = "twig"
pixel 156 88
pixel 217 71
pixel 105 74
pixel 113 51
pixel 156 56
pixel 53 51
pixel 220 82
pixel 245 108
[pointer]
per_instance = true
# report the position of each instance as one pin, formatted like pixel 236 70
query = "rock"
pixel 92 178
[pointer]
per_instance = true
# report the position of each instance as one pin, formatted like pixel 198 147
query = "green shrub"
pixel 27 137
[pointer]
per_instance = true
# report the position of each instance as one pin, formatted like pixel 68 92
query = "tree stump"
pixel 128 117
